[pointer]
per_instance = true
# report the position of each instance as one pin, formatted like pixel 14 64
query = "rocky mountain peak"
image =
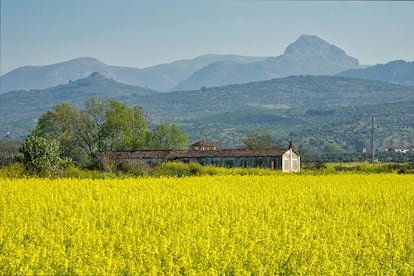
pixel 311 46
pixel 97 76
pixel 86 61
pixel 306 42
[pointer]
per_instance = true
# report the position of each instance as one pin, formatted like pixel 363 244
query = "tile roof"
pixel 172 154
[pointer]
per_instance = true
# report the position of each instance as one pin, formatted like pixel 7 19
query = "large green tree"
pixel 167 137
pixel 62 125
pixel 123 128
pixel 104 125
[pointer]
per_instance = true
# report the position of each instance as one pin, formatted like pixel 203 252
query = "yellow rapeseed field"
pixel 285 224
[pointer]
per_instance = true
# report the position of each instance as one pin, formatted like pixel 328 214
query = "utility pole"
pixel 372 139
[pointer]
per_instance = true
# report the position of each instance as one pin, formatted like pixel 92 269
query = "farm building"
pixel 204 153
pixel 399 149
pixel 204 145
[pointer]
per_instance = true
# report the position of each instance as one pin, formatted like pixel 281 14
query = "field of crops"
pixel 318 225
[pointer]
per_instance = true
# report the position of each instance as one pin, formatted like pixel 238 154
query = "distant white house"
pixel 399 149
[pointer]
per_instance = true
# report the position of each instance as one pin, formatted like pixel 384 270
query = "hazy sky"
pixel 143 33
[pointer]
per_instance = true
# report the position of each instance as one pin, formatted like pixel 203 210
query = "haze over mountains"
pixel 160 77
pixel 398 71
pixel 262 93
pixel 308 55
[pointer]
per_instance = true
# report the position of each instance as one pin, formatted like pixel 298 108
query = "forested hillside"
pixel 398 71
pixel 316 111
pixel 338 129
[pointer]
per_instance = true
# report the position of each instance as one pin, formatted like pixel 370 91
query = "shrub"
pixel 9 152
pixel 113 164
pixel 41 156
pixel 15 170
pixel 132 168
pixel 316 165
pixel 177 169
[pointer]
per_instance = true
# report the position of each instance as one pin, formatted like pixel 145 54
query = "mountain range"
pixel 281 105
pixel 308 55
pixel 313 93
pixel 160 77
pixel 398 71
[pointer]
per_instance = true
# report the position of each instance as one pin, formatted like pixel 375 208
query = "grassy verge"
pixel 177 169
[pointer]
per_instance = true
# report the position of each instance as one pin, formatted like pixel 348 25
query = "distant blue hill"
pixel 160 77
pixel 308 55
pixel 398 71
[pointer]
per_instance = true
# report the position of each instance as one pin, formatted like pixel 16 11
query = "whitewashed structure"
pixel 285 160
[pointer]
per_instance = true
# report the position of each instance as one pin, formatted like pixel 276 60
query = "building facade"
pixel 285 160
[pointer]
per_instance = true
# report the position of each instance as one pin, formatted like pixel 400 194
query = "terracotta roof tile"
pixel 173 154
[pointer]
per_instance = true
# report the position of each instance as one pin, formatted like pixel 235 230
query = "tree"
pixel 9 151
pixel 331 148
pixel 62 125
pixel 258 141
pixel 307 153
pixel 108 125
pixel 90 126
pixel 123 128
pixel 104 125
pixel 167 137
pixel 40 155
